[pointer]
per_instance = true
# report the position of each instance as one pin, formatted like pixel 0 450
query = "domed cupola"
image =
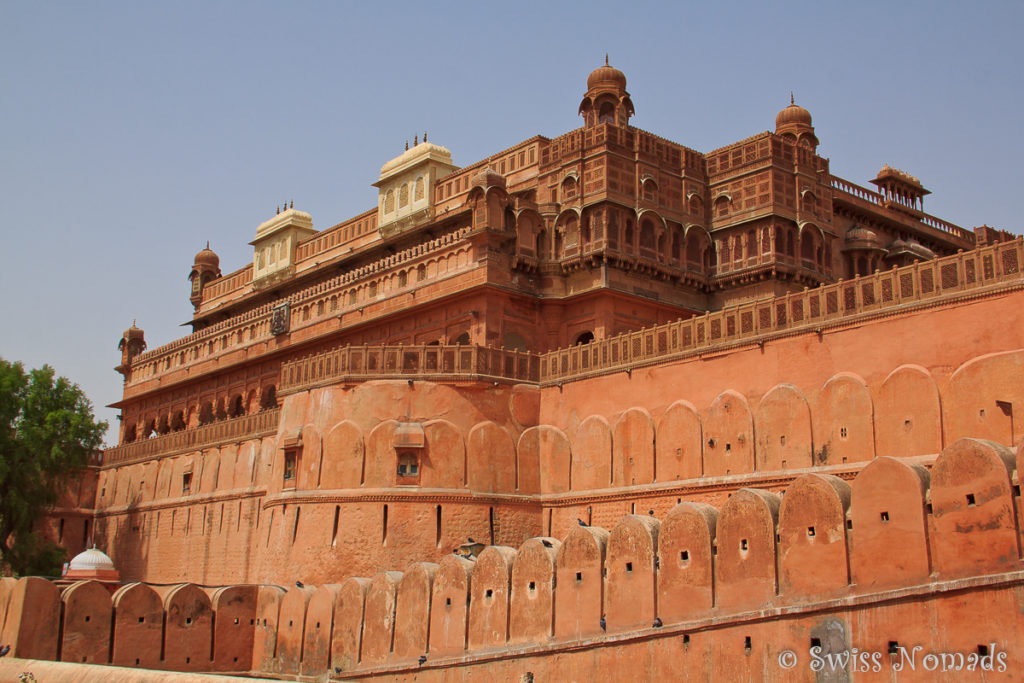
pixel 606 100
pixel 794 122
pixel 205 268
pixel 92 564
pixel 133 342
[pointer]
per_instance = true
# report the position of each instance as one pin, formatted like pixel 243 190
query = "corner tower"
pixel 606 100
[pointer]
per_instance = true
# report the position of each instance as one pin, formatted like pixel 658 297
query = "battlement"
pixel 700 572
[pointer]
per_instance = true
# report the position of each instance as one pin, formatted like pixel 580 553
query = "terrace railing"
pixel 232 429
pixel 946 278
pixel 429 362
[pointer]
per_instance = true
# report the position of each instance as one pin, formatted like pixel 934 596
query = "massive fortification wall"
pixel 875 564
pixel 490 472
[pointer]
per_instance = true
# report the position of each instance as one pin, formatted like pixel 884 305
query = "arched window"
pixel 722 206
pixel 403 196
pixel 206 413
pixel 807 247
pixel 389 201
pixel 647 234
pixel 584 337
pixel 650 189
pixel 418 194
pixel 606 114
pixel 462 339
pixel 269 399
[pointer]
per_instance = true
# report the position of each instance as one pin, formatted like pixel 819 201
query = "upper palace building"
pixel 547 244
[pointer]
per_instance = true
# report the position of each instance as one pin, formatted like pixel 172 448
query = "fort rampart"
pixel 866 563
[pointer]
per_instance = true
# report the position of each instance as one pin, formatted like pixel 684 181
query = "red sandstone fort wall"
pixel 719 589
pixel 502 464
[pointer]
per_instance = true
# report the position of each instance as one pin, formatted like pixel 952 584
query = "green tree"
pixel 48 435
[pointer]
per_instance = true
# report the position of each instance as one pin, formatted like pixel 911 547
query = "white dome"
pixel 91 560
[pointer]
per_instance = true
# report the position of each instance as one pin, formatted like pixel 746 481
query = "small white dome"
pixel 91 560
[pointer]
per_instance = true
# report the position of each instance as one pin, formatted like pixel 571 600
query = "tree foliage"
pixel 47 436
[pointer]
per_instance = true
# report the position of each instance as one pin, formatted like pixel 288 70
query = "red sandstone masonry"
pixel 971 540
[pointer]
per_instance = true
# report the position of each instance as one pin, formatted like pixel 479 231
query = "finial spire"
pixel 406 145
pixel 791 98
pixel 606 59
pixel 207 244
pixel 291 204
pixel 424 136
pixel 415 139
pixel 133 322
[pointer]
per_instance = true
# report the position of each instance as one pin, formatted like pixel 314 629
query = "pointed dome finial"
pixel 406 145
pixel 424 136
pixel 415 139
pixel 207 244
pixel 792 100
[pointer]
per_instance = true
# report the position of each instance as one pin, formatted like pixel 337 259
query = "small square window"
pixel 186 483
pixel 291 463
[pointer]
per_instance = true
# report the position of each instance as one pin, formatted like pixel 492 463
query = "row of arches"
pixel 820 539
pixel 200 414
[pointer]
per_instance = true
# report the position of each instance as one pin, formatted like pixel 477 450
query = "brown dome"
pixel 133 332
pixel 793 114
pixel 207 257
pixel 606 78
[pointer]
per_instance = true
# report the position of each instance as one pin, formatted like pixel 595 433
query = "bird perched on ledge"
pixel 423 658
pixel 581 522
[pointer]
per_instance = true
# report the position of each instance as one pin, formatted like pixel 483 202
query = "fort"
pixel 597 403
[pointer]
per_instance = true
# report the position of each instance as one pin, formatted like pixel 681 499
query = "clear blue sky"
pixel 132 132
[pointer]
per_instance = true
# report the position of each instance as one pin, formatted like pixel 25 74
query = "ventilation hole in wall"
pixel 884 516
pixel 236 621
pixel 678 501
pixel 810 531
pixel 579 577
pixel 188 620
pixel 87 617
pixel 188 660
pixel 783 464
pixel 686 640
pixel 782 440
pixel 970 500
pixel 983 650
pixel 83 659
pixel 728 447
pixel 981 413
pixel 142 619
pixel 533 585
pixel 1016 490
pixel 843 433
pixel 490 593
pixel 448 602
pixel 252 622
pixel 743 544
pixel 289 623
pixel 318 625
pixel 894 647
pixel 815 642
pixel 684 555
pixel 137 661
pixel 236 660
pixel 629 567
pixel 928 508
pixel 746 644
pixel 849 524
pixel 711 443
pixel 907 424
